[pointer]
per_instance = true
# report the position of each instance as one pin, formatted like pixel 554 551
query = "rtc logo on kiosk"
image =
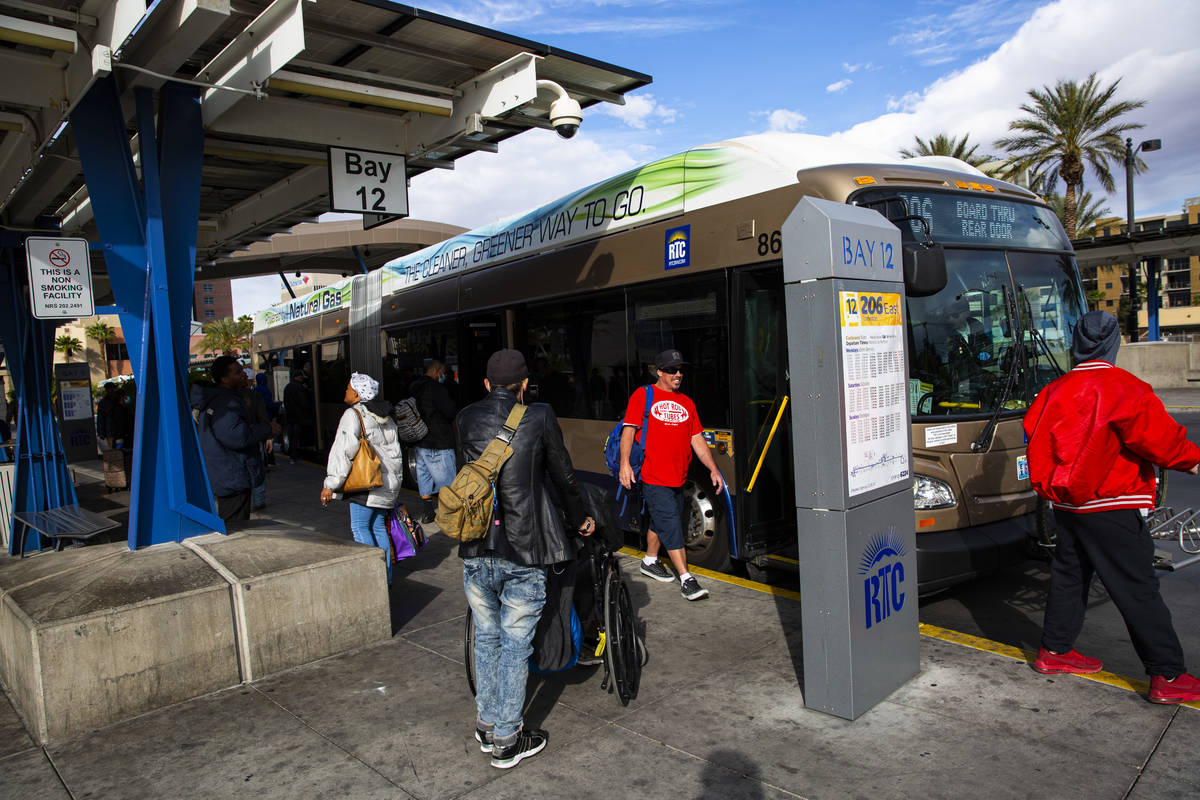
pixel 883 575
pixel 678 251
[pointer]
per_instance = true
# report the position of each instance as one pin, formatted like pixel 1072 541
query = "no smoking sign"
pixel 60 277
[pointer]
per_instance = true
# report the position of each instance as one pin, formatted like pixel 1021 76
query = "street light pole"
pixel 1130 163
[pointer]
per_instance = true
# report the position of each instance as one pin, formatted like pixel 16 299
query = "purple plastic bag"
pixel 406 535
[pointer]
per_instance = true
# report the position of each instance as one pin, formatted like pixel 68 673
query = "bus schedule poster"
pixel 874 390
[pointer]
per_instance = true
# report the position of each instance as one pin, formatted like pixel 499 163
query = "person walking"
pixel 504 573
pixel 674 434
pixel 435 453
pixel 299 411
pixel 258 415
pixel 1095 435
pixel 229 440
pixel 368 510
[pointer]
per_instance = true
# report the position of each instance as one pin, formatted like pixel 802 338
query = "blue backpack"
pixel 637 453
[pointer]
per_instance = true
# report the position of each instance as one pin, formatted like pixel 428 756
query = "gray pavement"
pixel 720 714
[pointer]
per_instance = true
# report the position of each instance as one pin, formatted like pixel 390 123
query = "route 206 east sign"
pixel 367 182
pixel 60 277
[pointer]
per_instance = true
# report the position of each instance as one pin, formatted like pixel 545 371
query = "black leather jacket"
pixel 531 530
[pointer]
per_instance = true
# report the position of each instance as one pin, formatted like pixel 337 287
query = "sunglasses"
pixel 671 370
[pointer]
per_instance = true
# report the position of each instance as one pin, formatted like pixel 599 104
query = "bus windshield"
pixel 997 334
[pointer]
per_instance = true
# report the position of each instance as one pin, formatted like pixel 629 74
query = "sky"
pixel 871 72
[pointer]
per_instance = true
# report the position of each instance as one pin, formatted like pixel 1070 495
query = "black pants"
pixel 1117 546
pixel 234 509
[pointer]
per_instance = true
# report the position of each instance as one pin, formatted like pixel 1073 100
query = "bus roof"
pixel 702 176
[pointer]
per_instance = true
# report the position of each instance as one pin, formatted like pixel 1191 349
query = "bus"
pixel 686 253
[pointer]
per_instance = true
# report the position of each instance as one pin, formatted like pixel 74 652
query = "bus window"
pixel 1050 307
pixel 577 356
pixel 408 351
pixel 333 376
pixel 691 317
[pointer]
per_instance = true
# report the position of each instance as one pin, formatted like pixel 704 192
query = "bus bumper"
pixel 945 558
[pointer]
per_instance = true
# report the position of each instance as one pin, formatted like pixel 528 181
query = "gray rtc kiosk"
pixel 844 294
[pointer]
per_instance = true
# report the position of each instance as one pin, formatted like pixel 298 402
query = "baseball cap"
pixel 669 358
pixel 506 367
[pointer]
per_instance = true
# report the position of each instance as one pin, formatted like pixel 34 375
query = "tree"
pixel 67 345
pixel 943 145
pixel 1088 211
pixel 227 335
pixel 1070 127
pixel 103 334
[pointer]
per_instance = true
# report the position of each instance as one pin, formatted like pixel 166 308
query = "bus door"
pixel 766 513
pixel 479 337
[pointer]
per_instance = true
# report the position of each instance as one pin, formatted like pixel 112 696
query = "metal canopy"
pixel 1168 241
pixel 291 77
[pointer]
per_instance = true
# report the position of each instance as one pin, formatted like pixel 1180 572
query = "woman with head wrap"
pixel 368 510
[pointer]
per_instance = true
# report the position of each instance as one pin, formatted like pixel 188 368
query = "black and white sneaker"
pixel 692 590
pixel 528 743
pixel 658 571
pixel 484 737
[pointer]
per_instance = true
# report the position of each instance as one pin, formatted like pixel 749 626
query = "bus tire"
pixel 408 454
pixel 705 529
pixel 1042 546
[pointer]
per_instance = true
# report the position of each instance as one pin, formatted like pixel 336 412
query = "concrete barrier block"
pixel 300 596
pixel 91 640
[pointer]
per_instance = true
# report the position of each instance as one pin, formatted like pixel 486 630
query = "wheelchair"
pixel 608 626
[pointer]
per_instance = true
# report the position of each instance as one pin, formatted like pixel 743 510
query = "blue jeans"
pixel 369 526
pixel 506 600
pixel 435 469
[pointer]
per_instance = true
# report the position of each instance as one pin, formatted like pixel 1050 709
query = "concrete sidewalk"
pixel 720 714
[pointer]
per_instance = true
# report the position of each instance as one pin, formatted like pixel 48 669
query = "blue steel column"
pixel 42 479
pixel 149 246
pixel 1152 299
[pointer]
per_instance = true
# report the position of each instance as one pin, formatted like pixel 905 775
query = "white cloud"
pixel 782 120
pixel 1068 40
pixel 531 169
pixel 840 86
pixel 852 68
pixel 639 111
pixel 969 27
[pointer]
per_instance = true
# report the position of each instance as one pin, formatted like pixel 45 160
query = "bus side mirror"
pixel 924 268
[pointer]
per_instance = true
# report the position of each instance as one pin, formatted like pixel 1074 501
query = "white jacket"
pixel 381 433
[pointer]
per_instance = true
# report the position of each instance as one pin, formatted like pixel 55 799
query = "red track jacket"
pixel 1095 436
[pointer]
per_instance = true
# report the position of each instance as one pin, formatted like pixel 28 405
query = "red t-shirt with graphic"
pixel 673 422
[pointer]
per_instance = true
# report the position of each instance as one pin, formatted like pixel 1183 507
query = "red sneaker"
pixel 1071 662
pixel 1183 689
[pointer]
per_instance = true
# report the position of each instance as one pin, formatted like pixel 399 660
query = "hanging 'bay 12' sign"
pixel 60 277
pixel 367 182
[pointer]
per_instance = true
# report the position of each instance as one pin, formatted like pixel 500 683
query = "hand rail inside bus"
pixel 770 437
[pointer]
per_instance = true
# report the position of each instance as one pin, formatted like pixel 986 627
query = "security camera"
pixel 565 113
pixel 565 116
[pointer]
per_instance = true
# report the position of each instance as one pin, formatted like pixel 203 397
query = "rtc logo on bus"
pixel 678 251
pixel 883 576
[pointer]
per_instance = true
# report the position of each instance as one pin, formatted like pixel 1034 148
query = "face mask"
pixel 442 378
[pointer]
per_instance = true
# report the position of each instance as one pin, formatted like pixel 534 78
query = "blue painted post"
pixel 149 241
pixel 1152 299
pixel 41 479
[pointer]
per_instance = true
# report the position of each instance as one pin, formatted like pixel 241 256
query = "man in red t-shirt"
pixel 674 434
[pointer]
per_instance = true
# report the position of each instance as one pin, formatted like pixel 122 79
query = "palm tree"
pixel 102 333
pixel 943 145
pixel 67 345
pixel 1070 127
pixel 1088 211
pixel 226 335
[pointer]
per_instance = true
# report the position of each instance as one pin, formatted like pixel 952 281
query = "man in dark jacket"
pixel 229 440
pixel 435 453
pixel 299 411
pixel 504 573
pixel 1095 436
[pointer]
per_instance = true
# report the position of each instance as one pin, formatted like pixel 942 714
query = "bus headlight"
pixel 931 493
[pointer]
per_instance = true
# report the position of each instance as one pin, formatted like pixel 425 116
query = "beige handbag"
pixel 366 473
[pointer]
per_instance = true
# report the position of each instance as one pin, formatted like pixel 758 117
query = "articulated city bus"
pixel 686 252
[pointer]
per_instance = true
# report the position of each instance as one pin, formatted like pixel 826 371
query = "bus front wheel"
pixel 706 531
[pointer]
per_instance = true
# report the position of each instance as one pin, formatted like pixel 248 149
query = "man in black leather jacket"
pixel 504 573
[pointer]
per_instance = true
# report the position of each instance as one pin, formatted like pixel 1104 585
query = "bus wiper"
pixel 1038 337
pixel 1014 367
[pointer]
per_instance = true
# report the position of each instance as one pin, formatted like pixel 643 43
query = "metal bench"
pixel 58 524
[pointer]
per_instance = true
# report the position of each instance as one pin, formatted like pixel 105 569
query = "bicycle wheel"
pixel 623 653
pixel 469 650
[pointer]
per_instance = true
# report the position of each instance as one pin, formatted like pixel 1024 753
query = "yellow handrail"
pixel 770 436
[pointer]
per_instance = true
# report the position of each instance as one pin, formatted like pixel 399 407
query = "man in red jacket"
pixel 1095 436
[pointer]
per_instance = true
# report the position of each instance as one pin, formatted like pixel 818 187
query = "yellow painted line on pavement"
pixel 1020 654
pixel 932 631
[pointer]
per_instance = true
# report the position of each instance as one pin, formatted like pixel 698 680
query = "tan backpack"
pixel 467 504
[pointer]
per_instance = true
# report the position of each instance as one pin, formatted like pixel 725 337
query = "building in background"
pixel 304 282
pixel 212 299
